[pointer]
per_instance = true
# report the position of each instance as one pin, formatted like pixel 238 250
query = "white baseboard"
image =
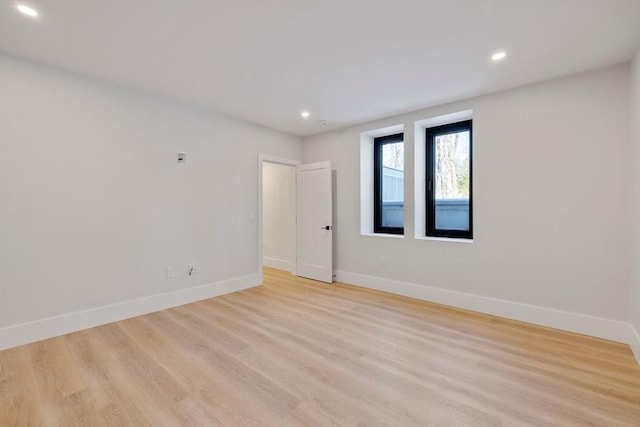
pixel 635 345
pixel 609 329
pixel 24 333
pixel 280 264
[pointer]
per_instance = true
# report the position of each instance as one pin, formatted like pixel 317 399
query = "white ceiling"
pixel 345 61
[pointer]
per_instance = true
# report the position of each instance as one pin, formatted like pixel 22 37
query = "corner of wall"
pixel 635 346
pixel 634 291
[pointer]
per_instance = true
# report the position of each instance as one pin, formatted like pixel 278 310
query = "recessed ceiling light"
pixel 29 11
pixel 499 56
pixel 305 114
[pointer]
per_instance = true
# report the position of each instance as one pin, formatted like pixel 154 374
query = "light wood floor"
pixel 297 352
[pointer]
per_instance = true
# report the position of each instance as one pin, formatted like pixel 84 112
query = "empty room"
pixel 320 213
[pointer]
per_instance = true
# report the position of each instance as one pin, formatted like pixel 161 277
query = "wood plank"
pixel 297 352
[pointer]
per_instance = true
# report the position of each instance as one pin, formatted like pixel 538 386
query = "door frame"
pixel 262 158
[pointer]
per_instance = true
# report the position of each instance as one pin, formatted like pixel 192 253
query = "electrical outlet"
pixel 169 272
pixel 193 268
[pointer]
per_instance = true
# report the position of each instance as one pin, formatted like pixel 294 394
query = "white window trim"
pixel 419 172
pixel 366 178
pixel 445 239
pixel 393 236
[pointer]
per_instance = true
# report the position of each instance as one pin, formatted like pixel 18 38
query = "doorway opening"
pixel 279 216
pixel 276 213
pixel 295 226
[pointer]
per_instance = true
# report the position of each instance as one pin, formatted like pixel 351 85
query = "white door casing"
pixel 314 222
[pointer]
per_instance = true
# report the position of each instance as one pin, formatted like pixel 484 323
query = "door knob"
pixel 326 227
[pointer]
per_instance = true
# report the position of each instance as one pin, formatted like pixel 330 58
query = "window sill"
pixel 395 236
pixel 444 239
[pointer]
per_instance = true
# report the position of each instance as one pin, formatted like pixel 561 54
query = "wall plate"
pixel 181 158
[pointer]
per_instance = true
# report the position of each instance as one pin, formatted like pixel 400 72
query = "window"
pixel 448 178
pixel 388 184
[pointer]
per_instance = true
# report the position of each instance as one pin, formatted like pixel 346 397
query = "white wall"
pixel 551 200
pixel 279 215
pixel 634 300
pixel 93 206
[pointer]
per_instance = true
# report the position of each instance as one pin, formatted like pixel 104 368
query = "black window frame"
pixel 378 143
pixel 431 133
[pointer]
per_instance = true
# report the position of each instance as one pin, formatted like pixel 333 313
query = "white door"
pixel 315 228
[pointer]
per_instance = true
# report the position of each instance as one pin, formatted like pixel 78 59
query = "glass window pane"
pixel 393 184
pixel 452 181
